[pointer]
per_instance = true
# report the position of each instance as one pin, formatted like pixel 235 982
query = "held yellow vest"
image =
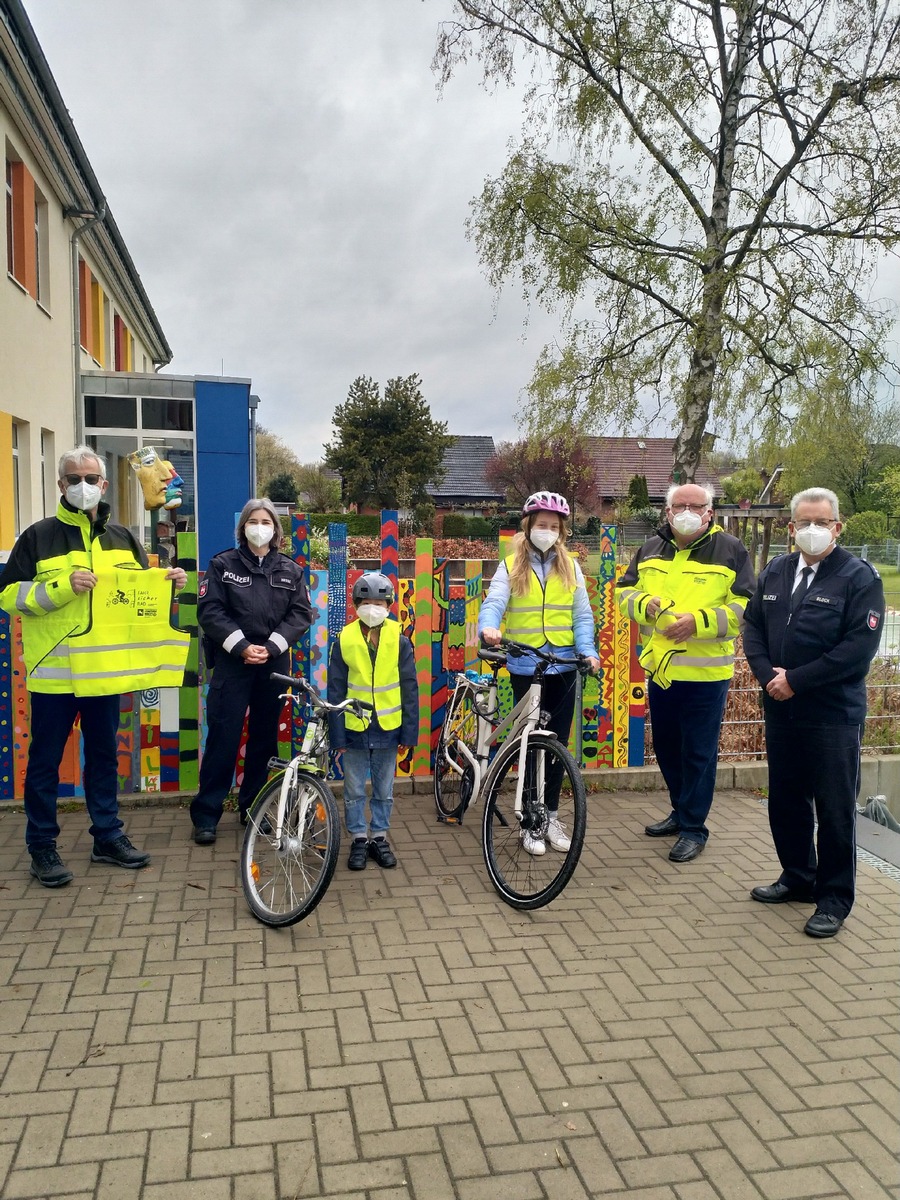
pixel 116 638
pixel 378 685
pixel 543 615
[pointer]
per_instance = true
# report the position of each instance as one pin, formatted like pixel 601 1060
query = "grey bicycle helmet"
pixel 373 586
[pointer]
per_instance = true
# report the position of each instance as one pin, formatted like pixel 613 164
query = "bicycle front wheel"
pixel 454 778
pixel 284 880
pixel 519 854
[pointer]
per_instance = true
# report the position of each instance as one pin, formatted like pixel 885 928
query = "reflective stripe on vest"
pixel 543 615
pixel 378 685
pixel 131 643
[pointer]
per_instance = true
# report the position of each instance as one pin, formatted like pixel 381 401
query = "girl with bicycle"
pixel 539 590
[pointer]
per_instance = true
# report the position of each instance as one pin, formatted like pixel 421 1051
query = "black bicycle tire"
pixel 492 815
pixel 290 916
pixel 446 810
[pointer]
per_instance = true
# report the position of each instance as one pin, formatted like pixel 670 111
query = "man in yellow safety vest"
pixel 73 667
pixel 687 588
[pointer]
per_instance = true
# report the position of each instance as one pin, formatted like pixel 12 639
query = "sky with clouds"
pixel 294 192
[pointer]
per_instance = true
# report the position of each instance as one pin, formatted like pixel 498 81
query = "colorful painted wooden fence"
pixel 162 732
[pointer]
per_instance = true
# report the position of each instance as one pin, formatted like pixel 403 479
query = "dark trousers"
pixel 814 775
pixel 235 688
pixel 685 719
pixel 52 718
pixel 558 699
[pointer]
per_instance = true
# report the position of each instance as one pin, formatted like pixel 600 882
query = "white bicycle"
pixel 518 784
pixel 293 835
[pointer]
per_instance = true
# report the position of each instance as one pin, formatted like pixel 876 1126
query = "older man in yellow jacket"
pixel 687 588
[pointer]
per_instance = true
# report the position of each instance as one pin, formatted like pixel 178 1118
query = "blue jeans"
pixel 53 714
pixel 685 719
pixel 357 763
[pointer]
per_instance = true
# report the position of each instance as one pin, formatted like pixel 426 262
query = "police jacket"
pixel 374 737
pixel 35 584
pixel 826 645
pixel 712 579
pixel 244 602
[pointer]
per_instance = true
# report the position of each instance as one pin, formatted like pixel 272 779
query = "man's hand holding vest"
pixel 683 626
pixel 82 580
pixel 178 576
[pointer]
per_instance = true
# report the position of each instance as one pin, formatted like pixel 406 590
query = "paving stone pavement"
pixel 652 1034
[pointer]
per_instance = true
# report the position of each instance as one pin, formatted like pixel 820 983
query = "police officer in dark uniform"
pixel 811 631
pixel 253 606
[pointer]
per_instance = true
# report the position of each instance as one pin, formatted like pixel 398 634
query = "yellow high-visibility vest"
pixel 123 640
pixel 131 643
pixel 543 615
pixel 378 684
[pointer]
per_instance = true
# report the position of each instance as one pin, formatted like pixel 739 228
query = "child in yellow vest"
pixel 372 661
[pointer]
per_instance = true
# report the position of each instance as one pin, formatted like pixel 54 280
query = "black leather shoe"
pixel 204 837
pixel 823 924
pixel 666 828
pixel 382 853
pixel 120 853
pixel 359 854
pixel 778 893
pixel 685 849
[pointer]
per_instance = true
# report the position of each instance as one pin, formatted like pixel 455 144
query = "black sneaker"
pixel 205 836
pixel 359 854
pixel 120 853
pixel 382 853
pixel 48 868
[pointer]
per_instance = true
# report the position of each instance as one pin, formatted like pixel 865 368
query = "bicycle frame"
pixel 305 762
pixel 523 720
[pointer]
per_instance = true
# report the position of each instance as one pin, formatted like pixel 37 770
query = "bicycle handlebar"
pixel 357 706
pixel 519 649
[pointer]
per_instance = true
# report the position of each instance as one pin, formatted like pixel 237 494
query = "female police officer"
pixel 253 606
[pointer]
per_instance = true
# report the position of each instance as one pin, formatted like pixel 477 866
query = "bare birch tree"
pixel 728 175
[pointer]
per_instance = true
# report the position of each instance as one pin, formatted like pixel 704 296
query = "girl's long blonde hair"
pixel 563 564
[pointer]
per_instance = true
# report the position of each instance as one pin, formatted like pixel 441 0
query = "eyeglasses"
pixel 695 508
pixel 74 480
pixel 817 524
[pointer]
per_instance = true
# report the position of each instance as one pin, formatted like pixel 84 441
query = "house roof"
pixel 464 477
pixel 617 459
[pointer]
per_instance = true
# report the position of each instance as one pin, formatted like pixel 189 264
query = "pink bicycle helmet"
pixel 550 502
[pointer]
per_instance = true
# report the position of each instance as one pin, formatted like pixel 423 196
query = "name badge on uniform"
pixel 772 596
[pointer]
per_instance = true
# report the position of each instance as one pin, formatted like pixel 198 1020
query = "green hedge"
pixel 358 524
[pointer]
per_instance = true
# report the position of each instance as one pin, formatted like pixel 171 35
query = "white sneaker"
pixel 533 845
pixel 557 836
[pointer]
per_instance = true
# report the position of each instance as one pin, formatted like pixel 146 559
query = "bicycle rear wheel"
pixel 523 879
pixel 454 778
pixel 284 881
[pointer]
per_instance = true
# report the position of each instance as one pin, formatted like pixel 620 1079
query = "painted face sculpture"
pixel 160 482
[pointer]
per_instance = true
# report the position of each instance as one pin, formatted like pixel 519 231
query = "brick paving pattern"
pixel 653 1034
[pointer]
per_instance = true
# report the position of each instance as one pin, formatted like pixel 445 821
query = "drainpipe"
pixel 254 405
pixel 91 216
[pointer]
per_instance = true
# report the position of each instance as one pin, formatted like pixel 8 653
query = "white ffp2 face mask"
pixel 814 539
pixel 84 496
pixel 372 614
pixel 259 535
pixel 686 522
pixel 543 539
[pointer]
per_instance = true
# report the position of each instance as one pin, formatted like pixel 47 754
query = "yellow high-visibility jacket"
pixel 543 615
pixel 69 643
pixel 712 579
pixel 378 683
